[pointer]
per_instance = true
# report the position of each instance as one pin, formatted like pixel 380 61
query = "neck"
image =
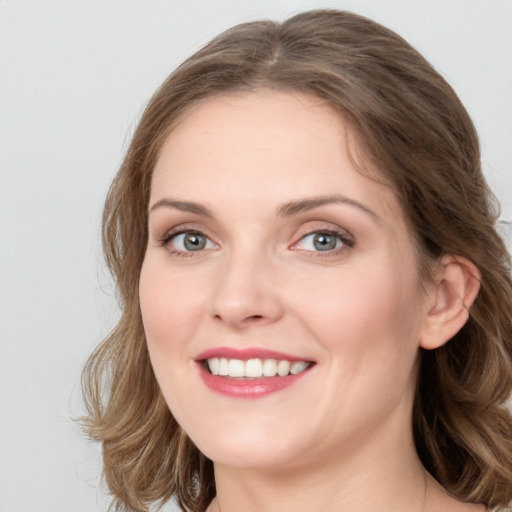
pixel 380 477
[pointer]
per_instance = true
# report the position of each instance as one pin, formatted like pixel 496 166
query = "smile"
pixel 250 372
pixel 255 368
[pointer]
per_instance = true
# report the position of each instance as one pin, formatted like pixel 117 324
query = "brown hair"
pixel 417 133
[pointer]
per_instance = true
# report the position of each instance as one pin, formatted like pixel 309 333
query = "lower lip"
pixel 248 388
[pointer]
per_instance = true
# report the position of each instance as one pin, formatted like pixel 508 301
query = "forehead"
pixel 265 142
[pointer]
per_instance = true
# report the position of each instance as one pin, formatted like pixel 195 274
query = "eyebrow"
pixel 286 210
pixel 306 204
pixel 184 206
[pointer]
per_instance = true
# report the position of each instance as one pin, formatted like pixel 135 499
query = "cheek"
pixel 368 327
pixel 170 311
pixel 169 307
pixel 371 308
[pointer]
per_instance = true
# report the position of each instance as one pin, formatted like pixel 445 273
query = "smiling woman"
pixel 316 305
pixel 296 283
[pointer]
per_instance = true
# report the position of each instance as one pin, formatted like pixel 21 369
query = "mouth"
pixel 254 368
pixel 250 373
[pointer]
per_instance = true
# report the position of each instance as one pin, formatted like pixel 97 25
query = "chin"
pixel 249 447
pixel 243 456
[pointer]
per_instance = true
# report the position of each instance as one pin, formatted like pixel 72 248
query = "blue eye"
pixel 322 242
pixel 190 242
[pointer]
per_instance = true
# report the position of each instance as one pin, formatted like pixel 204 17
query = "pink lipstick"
pixel 251 372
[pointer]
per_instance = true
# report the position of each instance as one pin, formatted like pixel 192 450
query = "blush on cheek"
pixel 169 311
pixel 367 314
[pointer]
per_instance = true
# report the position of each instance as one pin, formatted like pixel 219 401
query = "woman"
pixel 316 307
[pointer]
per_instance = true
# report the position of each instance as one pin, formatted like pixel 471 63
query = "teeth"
pixel 236 368
pixel 255 368
pixel 213 365
pixel 269 367
pixel 297 367
pixel 223 366
pixel 283 368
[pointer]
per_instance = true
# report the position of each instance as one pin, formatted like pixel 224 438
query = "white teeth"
pixel 269 367
pixel 297 367
pixel 283 368
pixel 213 365
pixel 255 368
pixel 223 366
pixel 236 368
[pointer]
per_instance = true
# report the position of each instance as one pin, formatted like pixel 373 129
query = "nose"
pixel 247 292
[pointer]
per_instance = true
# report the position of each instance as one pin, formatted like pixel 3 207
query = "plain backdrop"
pixel 74 77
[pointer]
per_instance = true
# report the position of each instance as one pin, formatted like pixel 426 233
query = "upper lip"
pixel 247 353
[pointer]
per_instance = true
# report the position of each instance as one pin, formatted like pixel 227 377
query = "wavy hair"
pixel 415 130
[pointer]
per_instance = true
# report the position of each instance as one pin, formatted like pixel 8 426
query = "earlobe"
pixel 454 290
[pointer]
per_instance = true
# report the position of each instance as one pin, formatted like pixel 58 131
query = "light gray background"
pixel 74 76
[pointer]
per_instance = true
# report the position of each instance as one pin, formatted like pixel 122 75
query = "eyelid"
pixel 184 229
pixel 342 234
pixel 307 229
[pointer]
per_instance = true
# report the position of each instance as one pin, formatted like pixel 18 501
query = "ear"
pixel 455 287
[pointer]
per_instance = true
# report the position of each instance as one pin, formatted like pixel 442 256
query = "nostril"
pixel 247 320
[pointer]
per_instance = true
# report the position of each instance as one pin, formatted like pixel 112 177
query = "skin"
pixel 341 435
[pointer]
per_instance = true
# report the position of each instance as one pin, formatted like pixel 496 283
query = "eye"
pixel 186 242
pixel 323 241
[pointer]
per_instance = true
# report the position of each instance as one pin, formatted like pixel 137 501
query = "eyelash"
pixel 166 240
pixel 341 235
pixel 347 242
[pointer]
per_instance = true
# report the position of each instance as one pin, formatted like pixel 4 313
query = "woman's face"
pixel 270 254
